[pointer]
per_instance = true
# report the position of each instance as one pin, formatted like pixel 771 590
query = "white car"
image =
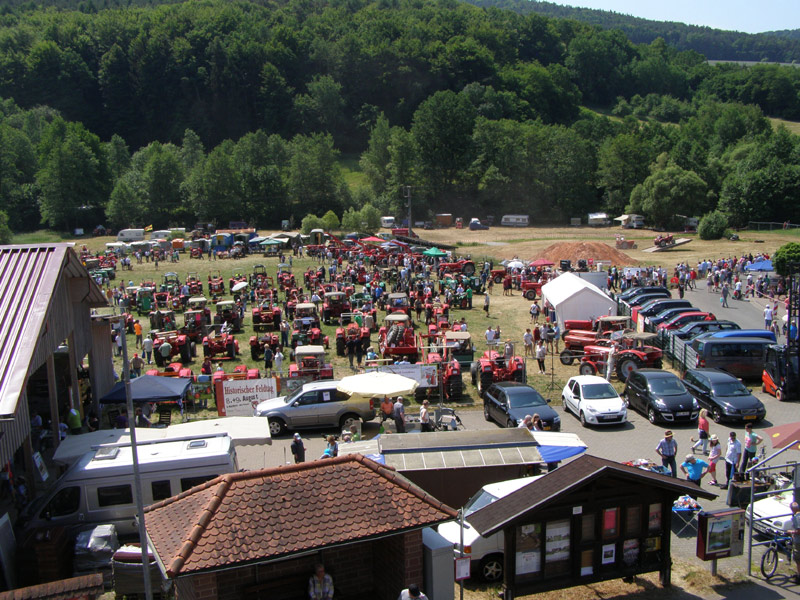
pixel 776 512
pixel 486 554
pixel 594 401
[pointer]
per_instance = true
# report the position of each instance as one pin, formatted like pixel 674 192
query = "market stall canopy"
pixel 376 383
pixel 372 240
pixel 270 242
pixel 783 436
pixel 435 252
pixel 542 262
pixel 149 388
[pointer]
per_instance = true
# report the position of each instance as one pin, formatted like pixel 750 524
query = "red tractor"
pixel 334 306
pixel 259 343
pixel 449 371
pixel 530 289
pixel 216 284
pixel 362 303
pixel 228 312
pixel 162 300
pixel 492 367
pixel 580 334
pixel 286 279
pixel 179 345
pixel 398 303
pixel 629 356
pixel 350 332
pixel 222 346
pixel 200 304
pixel 266 315
pixel 172 370
pixel 194 283
pixel 663 240
pixel 397 338
pixel 309 361
pixel 259 277
pixel 163 320
pixel 195 325
pixel 467 267
pixel 307 327
pixel 236 277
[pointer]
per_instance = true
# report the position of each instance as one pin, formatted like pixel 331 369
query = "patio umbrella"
pixel 515 264
pixel 542 262
pixel 377 383
pixel 239 286
pixel 784 436
pixel 434 252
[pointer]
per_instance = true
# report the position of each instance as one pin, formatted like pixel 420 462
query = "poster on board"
pixel 239 397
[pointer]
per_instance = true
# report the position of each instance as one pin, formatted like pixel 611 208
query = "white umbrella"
pixel 377 383
pixel 515 264
pixel 239 286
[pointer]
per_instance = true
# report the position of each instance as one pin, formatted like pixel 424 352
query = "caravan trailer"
pixel 515 221
pixel 130 235
pixel 387 222
pixel 98 488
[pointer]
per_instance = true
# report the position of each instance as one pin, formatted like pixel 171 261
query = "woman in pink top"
pixel 702 431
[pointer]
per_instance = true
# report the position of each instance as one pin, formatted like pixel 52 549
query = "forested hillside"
pixel 715 44
pixel 228 110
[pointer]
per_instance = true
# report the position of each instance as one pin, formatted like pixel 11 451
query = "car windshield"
pixel 666 386
pixel 294 395
pixel 730 388
pixel 478 501
pixel 598 391
pixel 522 398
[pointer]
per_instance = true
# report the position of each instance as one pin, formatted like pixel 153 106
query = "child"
pixel 715 452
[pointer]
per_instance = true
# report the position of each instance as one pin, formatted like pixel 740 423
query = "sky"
pixel 751 16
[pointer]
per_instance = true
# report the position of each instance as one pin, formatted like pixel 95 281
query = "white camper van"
pixel 98 488
pixel 130 235
pixel 387 222
pixel 515 221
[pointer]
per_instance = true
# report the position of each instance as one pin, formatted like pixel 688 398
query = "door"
pixel 303 411
pixel 574 397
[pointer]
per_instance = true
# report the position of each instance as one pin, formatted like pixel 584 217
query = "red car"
pixel 682 319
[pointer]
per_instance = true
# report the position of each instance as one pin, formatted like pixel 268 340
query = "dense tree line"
pixel 716 44
pixel 224 111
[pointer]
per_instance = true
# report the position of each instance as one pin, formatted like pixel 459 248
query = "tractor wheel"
pixel 454 388
pixel 186 353
pixel 498 279
pixel 254 352
pixel 473 373
pixel 763 387
pixel 779 395
pixel 627 366
pixel 587 368
pixel 657 364
pixel 566 357
pixel 326 317
pixel 530 295
pixel 468 269
pixel 206 350
pixel 339 346
pixel 158 358
pixel 484 381
pixel 230 349
pixel 518 375
pixel 193 348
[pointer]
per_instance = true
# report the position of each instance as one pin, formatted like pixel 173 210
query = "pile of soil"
pixel 586 250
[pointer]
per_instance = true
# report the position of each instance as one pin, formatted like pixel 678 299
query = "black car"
pixel 725 397
pixel 656 306
pixel 690 330
pixel 508 402
pixel 631 293
pixel 645 298
pixel 661 396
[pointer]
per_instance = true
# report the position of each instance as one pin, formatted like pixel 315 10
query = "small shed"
pixel 590 520
pixel 575 298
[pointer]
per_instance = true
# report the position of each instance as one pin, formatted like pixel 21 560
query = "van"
pixel 740 356
pixel 734 333
pixel 99 487
pixel 387 222
pixel 515 221
pixel 130 235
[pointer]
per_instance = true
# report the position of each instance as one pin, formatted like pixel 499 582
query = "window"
pixel 587 528
pixel 161 490
pixel 188 483
pixel 65 502
pixel 308 399
pixel 633 521
pixel 610 523
pixel 114 495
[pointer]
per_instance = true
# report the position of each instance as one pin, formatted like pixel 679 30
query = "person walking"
pixel 399 414
pixel 137 330
pixel 147 349
pixel 667 448
pixel 714 454
pixel 541 354
pixel 269 356
pixel 694 469
pixel 726 291
pixel 527 340
pixel 298 449
pixel 795 533
pixel 767 316
pixel 702 432
pixel 535 310
pixel 425 417
pixel 486 303
pixel 732 455
pixel 751 442
pixel 278 359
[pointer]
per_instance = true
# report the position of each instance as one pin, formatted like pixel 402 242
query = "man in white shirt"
pixel 732 456
pixel 412 593
pixel 489 335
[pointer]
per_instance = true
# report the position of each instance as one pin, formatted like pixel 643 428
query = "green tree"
pixel 311 222
pixel 5 230
pixel 127 206
pixel 670 190
pixel 623 162
pixel 313 174
pixel 330 221
pixel 785 256
pixel 376 158
pixel 712 226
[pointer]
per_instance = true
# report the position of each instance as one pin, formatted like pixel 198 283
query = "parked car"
pixel 652 323
pixel 508 402
pixel 683 318
pixel 773 514
pixel 476 225
pixel 642 299
pixel 314 405
pixel 690 330
pixel 486 553
pixel 633 292
pixel 724 396
pixel 661 396
pixel 594 401
pixel 657 305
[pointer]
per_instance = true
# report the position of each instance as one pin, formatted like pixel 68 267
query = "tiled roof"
pixel 85 586
pixel 566 479
pixel 28 278
pixel 256 516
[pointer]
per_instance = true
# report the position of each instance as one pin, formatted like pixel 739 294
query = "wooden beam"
pixel 52 394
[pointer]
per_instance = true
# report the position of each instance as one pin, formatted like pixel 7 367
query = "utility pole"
pixel 407 192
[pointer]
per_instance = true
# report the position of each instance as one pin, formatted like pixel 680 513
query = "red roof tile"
pixel 260 515
pixel 85 586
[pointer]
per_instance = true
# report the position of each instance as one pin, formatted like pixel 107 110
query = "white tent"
pixel 575 298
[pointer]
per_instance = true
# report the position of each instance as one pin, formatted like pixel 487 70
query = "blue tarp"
pixel 150 388
pixel 764 265
pixel 553 454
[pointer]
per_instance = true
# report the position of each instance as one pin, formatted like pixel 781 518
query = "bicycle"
pixel 780 544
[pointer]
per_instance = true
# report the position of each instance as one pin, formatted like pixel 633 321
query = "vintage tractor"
pixel 350 332
pixel 144 300
pixel 398 303
pixel 467 267
pixel 266 315
pixel 309 361
pixel 194 283
pixel 259 276
pixel 458 346
pixel 195 325
pixel 228 312
pixel 662 241
pixel 781 374
pixel 200 303
pixel 216 284
pixel 582 333
pixel 163 320
pixel 175 369
pixel 180 345
pixel 171 282
pixel 258 343
pixel 397 338
pixel 286 279
pixel 236 277
pixel 492 367
pixel 363 303
pixel 631 354
pixel 450 370
pixel 162 299
pixel 334 306
pixel 220 347
pixel 530 289
pixel 307 327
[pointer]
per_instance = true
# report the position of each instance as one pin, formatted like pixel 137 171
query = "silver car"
pixel 315 405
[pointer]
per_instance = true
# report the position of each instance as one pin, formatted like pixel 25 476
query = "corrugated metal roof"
pixel 29 276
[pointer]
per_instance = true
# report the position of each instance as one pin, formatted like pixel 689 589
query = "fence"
pixel 679 352
pixel 770 225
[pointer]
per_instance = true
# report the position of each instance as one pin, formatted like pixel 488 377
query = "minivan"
pixel 130 235
pixel 99 487
pixel 740 356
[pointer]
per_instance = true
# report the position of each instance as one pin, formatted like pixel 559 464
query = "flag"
pixel 148 228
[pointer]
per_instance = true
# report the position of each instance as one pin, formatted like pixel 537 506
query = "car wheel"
pixel 276 427
pixel 486 412
pixel 510 424
pixel 566 357
pixel 473 372
pixel 716 414
pixel 583 420
pixel 492 568
pixel 779 396
pixel 652 416
pixel 348 421
pixel 564 403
